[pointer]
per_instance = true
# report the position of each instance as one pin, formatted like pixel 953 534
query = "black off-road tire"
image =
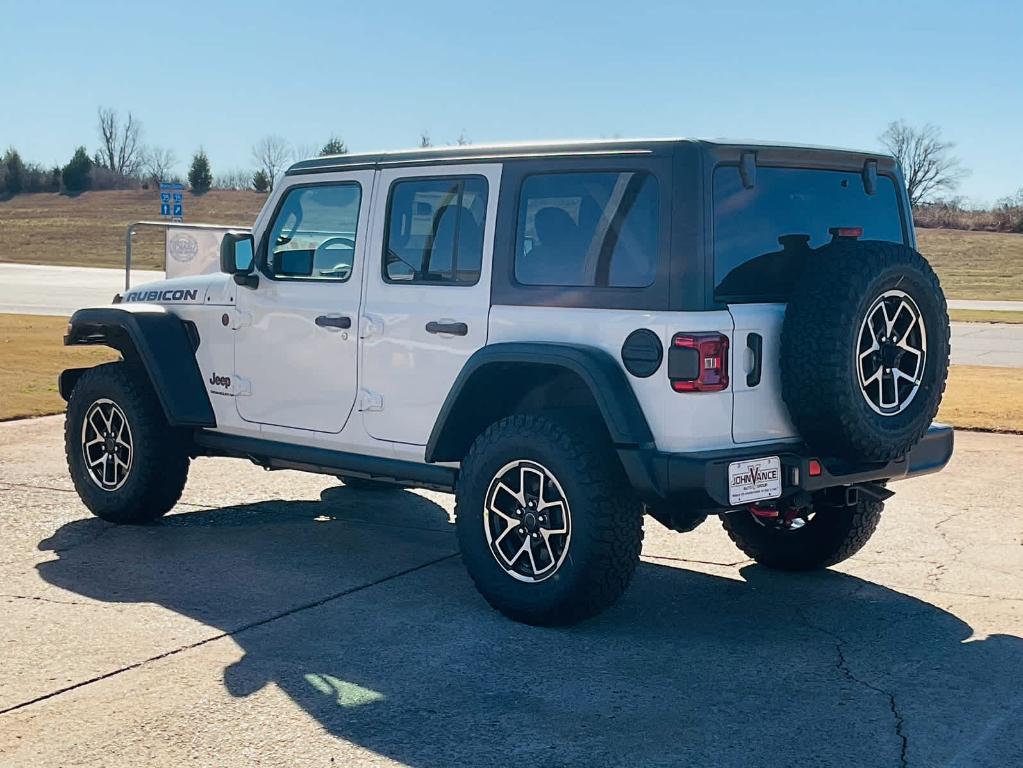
pixel 606 520
pixel 365 484
pixel 819 351
pixel 832 535
pixel 159 464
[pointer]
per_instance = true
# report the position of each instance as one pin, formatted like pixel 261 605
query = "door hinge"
pixel 241 387
pixel 241 320
pixel 370 401
pixel 371 325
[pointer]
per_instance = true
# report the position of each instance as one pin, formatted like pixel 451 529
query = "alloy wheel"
pixel 891 353
pixel 527 521
pixel 107 444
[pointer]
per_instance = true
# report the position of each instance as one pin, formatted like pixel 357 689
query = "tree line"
pixel 123 161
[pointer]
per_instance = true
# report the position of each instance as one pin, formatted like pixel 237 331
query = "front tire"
pixel 549 529
pixel 834 533
pixel 127 464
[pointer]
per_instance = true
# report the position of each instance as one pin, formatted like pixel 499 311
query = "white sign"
pixel 754 480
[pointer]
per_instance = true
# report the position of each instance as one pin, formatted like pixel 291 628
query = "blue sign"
pixel 169 190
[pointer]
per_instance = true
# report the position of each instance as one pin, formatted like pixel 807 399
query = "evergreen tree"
pixel 200 178
pixel 334 146
pixel 77 174
pixel 260 181
pixel 15 176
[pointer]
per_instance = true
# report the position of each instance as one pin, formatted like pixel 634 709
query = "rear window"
pixel 764 236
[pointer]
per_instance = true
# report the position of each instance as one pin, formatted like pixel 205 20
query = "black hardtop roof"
pixel 471 153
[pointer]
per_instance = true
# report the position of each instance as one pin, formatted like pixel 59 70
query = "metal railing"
pixel 166 226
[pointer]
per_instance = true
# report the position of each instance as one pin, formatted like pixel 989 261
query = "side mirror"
pixel 237 257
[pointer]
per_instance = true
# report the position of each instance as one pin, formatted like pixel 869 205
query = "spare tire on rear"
pixel 864 350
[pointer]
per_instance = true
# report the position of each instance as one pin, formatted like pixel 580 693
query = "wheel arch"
pixel 161 343
pixel 510 377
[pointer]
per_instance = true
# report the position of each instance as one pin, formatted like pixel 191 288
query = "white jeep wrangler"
pixel 567 336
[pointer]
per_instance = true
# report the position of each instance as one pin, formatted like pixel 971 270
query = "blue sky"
pixel 223 74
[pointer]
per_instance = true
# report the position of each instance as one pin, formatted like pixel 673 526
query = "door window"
pixel 313 235
pixel 588 229
pixel 434 231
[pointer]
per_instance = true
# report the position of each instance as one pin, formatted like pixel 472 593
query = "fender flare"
pixel 599 371
pixel 161 342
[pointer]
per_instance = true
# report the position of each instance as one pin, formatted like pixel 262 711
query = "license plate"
pixel 754 480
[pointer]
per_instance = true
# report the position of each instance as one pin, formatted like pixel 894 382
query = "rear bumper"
pixel 700 480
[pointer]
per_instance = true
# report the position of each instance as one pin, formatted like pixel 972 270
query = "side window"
pixel 588 229
pixel 435 231
pixel 313 236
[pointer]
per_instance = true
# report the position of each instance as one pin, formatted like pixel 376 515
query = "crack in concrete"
pixel 228 633
pixel 842 665
pixel 935 575
pixel 47 600
pixel 34 487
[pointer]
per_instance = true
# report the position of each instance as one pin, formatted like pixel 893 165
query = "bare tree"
pixel 463 140
pixel 158 163
pixel 235 178
pixel 122 142
pixel 926 159
pixel 425 140
pixel 271 155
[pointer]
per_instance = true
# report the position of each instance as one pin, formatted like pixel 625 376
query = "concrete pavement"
pixel 41 290
pixel 30 289
pixel 986 306
pixel 282 619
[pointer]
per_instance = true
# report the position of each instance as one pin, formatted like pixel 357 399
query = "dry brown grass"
pixel 984 316
pixel 88 230
pixel 975 265
pixel 32 354
pixel 984 398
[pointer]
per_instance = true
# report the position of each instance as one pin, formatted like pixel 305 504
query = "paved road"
pixel 986 306
pixel 281 619
pixel 27 289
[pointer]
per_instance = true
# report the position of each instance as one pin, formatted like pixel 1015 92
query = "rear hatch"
pixel 768 221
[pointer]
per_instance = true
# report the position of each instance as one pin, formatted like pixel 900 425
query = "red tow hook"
pixel 765 512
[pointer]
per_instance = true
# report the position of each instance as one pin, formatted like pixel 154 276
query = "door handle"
pixel 333 321
pixel 755 344
pixel 455 329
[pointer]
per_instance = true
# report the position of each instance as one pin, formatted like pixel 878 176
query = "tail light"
pixel 698 362
pixel 851 232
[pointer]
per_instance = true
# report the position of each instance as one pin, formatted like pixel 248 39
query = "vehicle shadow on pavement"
pixel 689 668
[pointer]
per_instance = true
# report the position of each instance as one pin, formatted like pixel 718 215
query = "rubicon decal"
pixel 175 294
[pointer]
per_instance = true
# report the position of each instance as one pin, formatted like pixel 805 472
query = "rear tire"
pixel 832 535
pixel 113 413
pixel 566 499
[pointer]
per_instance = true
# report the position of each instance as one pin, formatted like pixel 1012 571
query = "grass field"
pixel 975 265
pixel 984 316
pixel 32 355
pixel 88 230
